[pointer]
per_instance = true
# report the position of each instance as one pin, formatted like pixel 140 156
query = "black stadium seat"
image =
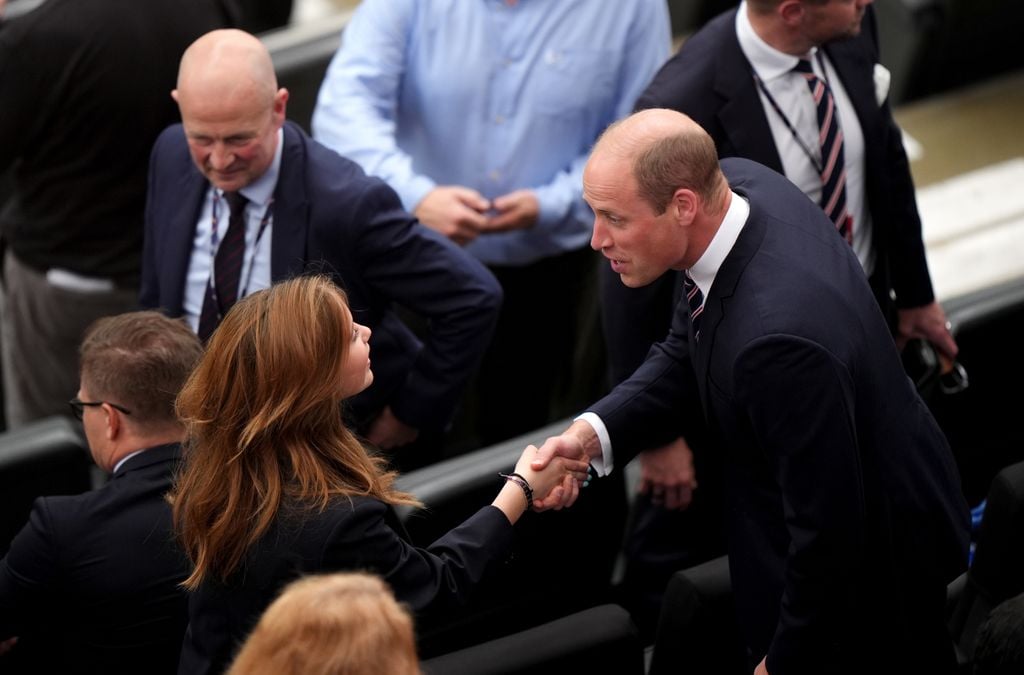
pixel 697 626
pixel 997 572
pixel 597 640
pixel 43 458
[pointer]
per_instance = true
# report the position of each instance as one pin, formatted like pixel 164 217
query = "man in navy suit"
pixel 735 77
pixel 845 514
pixel 306 208
pixel 91 584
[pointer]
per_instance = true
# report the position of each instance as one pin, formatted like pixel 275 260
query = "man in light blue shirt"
pixel 480 113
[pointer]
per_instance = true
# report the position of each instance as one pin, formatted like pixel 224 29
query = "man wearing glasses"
pixel 90 584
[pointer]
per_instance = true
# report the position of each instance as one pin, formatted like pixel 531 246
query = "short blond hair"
pixel 334 624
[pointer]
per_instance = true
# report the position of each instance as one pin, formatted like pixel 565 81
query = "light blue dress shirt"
pixel 492 96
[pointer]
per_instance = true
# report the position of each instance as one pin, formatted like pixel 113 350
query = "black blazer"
pixel 358 534
pixel 91 583
pixel 711 80
pixel 846 518
pixel 330 217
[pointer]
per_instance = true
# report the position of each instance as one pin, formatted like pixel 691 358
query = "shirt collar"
pixel 704 271
pixel 261 190
pixel 768 62
pixel 125 459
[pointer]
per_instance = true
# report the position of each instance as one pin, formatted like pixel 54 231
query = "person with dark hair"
pixel 274 485
pixel 239 198
pixel 84 90
pixel 334 624
pixel 91 584
pixel 999 646
pixel 845 517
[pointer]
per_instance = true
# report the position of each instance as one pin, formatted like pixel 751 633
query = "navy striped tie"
pixel 833 166
pixel 227 268
pixel 695 299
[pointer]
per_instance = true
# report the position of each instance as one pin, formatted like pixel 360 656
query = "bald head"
pixel 231 107
pixel 227 63
pixel 667 150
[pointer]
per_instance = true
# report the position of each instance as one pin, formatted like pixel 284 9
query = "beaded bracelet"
pixel 523 483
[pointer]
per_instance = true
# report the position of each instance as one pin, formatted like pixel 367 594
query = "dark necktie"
pixel 695 299
pixel 833 166
pixel 227 269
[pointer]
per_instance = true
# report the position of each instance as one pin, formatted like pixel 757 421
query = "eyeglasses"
pixel 78 407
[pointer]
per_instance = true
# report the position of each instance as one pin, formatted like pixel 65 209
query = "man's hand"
pixel 456 212
pixel 516 211
pixel 927 322
pixel 387 431
pixel 574 444
pixel 667 474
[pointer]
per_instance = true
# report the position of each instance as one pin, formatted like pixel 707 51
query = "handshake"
pixel 555 472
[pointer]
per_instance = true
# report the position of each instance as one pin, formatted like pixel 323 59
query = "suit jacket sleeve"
pixel 28 576
pixel 799 401
pixel 440 576
pixel 644 411
pixel 422 271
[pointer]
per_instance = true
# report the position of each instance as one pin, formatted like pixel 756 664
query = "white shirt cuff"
pixel 603 465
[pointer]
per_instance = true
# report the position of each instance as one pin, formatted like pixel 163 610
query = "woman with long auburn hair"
pixel 274 486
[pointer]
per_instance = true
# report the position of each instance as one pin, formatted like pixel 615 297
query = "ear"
pixel 280 106
pixel 114 422
pixel 685 203
pixel 790 11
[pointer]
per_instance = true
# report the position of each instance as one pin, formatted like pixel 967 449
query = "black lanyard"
pixel 816 163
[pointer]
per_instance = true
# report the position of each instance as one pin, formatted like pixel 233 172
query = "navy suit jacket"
pixel 361 534
pixel 846 517
pixel 91 583
pixel 711 80
pixel 330 217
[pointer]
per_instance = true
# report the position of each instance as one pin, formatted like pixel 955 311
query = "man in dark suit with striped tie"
pixel 795 85
pixel 845 517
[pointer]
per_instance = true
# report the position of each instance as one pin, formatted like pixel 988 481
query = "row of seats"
pixel 564 561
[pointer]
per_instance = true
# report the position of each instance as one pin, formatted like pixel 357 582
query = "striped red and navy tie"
pixel 695 299
pixel 833 167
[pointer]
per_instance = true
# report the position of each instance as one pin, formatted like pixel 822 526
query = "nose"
pixel 365 332
pixel 221 157
pixel 599 239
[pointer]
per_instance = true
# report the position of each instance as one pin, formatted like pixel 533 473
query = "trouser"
pixel 529 363
pixel 43 326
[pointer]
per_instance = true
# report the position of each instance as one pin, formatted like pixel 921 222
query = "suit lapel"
pixel 716 306
pixel 178 238
pixel 742 116
pixel 857 73
pixel 288 248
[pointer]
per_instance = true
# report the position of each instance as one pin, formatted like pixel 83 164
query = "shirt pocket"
pixel 570 81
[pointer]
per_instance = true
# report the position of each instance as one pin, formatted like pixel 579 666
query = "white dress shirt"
pixel 793 96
